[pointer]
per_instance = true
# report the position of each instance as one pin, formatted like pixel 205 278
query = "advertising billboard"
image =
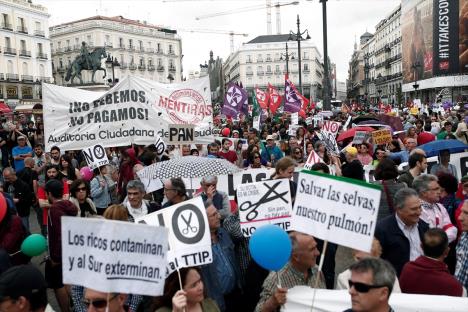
pixel 434 38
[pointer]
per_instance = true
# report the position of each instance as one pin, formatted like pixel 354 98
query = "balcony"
pixel 39 33
pixel 248 61
pixel 141 49
pixel 10 51
pixel 12 77
pixel 25 53
pixel 108 45
pixel 44 79
pixel 268 59
pixel 123 65
pixel 2 77
pixel 249 73
pixel 42 56
pixel 158 51
pixel 269 73
pixel 141 67
pixel 6 26
pixel 160 68
pixel 171 53
pixel 149 50
pixel 259 60
pixel 61 69
pixel 278 72
pixel 260 73
pixel 151 67
pixel 76 47
pixel 306 70
pixel 122 46
pixel 132 67
pixel 27 78
pixel 172 69
pixel 131 48
pixel 22 29
pixel 68 49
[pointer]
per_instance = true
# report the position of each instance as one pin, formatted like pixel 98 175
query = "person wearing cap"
pixel 271 153
pixel 53 267
pixel 352 168
pixel 20 152
pixel 235 134
pixel 23 289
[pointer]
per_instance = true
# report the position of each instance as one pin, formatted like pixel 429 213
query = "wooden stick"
pixel 319 272
pixel 279 280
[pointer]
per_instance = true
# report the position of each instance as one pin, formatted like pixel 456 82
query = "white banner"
pixel 95 156
pixel 340 210
pixel 328 138
pixel 189 233
pixel 261 203
pixel 135 110
pixel 114 256
pixel 295 118
pixel 299 299
pixel 313 159
pixel 331 127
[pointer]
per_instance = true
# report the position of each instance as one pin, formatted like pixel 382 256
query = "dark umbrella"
pixel 433 148
pixel 351 132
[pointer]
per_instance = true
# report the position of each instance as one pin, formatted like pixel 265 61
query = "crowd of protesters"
pixel 422 230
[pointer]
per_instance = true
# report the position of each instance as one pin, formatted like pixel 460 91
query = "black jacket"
pixel 20 190
pixel 395 245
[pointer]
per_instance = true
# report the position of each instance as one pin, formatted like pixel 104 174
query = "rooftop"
pixel 270 38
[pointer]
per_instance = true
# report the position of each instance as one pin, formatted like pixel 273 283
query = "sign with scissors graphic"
pixel 266 202
pixel 189 233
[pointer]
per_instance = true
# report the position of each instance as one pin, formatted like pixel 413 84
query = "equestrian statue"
pixel 86 61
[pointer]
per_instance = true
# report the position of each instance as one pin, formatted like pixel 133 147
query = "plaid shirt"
pixel 289 277
pixel 461 271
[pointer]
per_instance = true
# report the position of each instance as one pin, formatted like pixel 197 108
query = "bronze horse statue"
pixel 93 64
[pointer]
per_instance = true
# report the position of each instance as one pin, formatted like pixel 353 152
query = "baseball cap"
pixel 22 280
pixel 270 137
pixel 351 150
pixel 21 137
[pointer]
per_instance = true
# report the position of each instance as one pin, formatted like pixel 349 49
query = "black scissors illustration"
pixel 189 227
pixel 252 214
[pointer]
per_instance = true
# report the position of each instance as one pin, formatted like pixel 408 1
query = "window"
pixel 140 44
pixel 59 45
pixel 130 43
pixel 77 42
pixel 25 68
pixel 121 44
pixel 142 61
pixel 39 48
pixel 170 49
pixel 7 42
pixel 248 59
pixel 90 40
pixel 5 21
pixel 41 70
pixel 277 69
pixel 306 55
pixel 158 48
pixel 68 43
pixel 159 61
pixel 268 69
pixel 268 57
pixel 38 25
pixel 10 67
pixel 23 45
pixel 60 63
pixel 306 67
pixel 150 62
pixel 122 59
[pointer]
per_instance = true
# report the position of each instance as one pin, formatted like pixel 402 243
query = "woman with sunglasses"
pixel 255 160
pixel 79 196
pixel 379 155
pixel 190 298
pixel 298 156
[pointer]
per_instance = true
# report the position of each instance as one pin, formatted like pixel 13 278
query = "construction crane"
pixel 216 32
pixel 266 6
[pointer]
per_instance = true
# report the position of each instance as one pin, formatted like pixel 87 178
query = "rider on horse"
pixel 85 55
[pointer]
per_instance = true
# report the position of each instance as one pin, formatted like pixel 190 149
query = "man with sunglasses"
pixel 99 301
pixel 371 285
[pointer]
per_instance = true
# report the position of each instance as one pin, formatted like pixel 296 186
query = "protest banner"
pixel 313 159
pixel 135 110
pixel 95 156
pixel 359 137
pixel 309 121
pixel 336 209
pixel 300 298
pixel 181 134
pixel 256 123
pixel 189 233
pixel 295 118
pixel 383 136
pixel 114 256
pixel 329 140
pixel 317 120
pixel 261 203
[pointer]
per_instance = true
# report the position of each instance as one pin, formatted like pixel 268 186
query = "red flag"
pixel 262 98
pixel 275 98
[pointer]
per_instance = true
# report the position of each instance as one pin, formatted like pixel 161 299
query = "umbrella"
pixel 193 167
pixel 351 132
pixel 364 118
pixel 433 148
pixel 372 123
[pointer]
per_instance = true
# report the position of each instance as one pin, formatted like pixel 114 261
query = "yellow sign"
pixel 382 136
pixel 12 91
pixel 414 111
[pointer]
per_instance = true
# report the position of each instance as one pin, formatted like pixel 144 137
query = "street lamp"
pixel 326 87
pixel 415 68
pixel 366 76
pixel 111 62
pixel 298 37
pixel 286 57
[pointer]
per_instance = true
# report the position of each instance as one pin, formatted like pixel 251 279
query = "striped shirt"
pixel 461 270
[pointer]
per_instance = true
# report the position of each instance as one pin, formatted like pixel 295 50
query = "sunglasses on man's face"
pixel 361 287
pixel 98 303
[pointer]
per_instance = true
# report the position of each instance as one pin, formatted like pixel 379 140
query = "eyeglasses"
pixel 361 287
pixel 98 303
pixel 256 156
pixel 79 189
pixel 298 152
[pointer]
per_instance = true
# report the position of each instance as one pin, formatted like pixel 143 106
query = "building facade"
pixel 264 60
pixel 141 49
pixel 24 52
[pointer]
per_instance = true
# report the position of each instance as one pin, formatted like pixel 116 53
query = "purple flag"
pixel 292 102
pixel 233 100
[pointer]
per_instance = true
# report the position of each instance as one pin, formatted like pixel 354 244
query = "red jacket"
pixel 429 277
pixel 54 227
pixel 12 234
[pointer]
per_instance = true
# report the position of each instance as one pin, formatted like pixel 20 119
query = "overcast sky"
pixel 347 20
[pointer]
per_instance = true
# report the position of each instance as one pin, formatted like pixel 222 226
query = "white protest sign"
pixel 329 140
pixel 149 180
pixel 359 137
pixel 189 233
pixel 134 111
pixel 347 123
pixel 261 203
pixel 331 126
pixel 417 103
pixel 160 146
pixel 313 159
pixel 114 256
pixel 256 123
pixel 181 134
pixel 95 156
pixel 317 120
pixel 337 209
pixel 309 121
pixel 295 118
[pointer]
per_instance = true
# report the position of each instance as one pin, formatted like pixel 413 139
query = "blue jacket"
pixel 268 151
pixel 101 196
